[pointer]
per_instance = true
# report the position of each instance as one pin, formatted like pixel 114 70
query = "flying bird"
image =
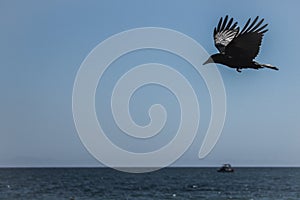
pixel 238 48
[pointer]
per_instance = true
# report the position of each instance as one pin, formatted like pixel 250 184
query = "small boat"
pixel 226 168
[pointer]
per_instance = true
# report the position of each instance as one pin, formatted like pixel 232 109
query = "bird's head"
pixel 216 58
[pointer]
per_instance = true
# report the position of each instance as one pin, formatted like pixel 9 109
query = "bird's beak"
pixel 209 60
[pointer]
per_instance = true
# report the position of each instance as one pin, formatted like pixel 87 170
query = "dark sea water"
pixel 169 183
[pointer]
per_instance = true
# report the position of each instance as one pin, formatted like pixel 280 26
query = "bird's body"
pixel 238 48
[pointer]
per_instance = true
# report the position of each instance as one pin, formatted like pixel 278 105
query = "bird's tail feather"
pixel 268 66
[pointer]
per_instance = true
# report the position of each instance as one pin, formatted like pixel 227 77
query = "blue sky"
pixel 42 45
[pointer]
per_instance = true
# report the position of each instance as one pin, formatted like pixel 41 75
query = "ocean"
pixel 168 183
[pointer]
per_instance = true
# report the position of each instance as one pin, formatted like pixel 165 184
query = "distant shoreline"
pixel 173 167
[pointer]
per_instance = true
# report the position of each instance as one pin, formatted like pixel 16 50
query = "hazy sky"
pixel 43 43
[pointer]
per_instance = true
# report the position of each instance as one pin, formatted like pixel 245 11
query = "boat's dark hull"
pixel 226 170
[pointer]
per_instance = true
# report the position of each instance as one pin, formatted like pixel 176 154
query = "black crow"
pixel 238 48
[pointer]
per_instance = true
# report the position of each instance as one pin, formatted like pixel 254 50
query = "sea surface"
pixel 168 183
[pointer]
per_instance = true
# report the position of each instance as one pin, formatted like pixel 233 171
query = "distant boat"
pixel 226 168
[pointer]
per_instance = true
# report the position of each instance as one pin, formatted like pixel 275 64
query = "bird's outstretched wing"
pixel 247 42
pixel 224 33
